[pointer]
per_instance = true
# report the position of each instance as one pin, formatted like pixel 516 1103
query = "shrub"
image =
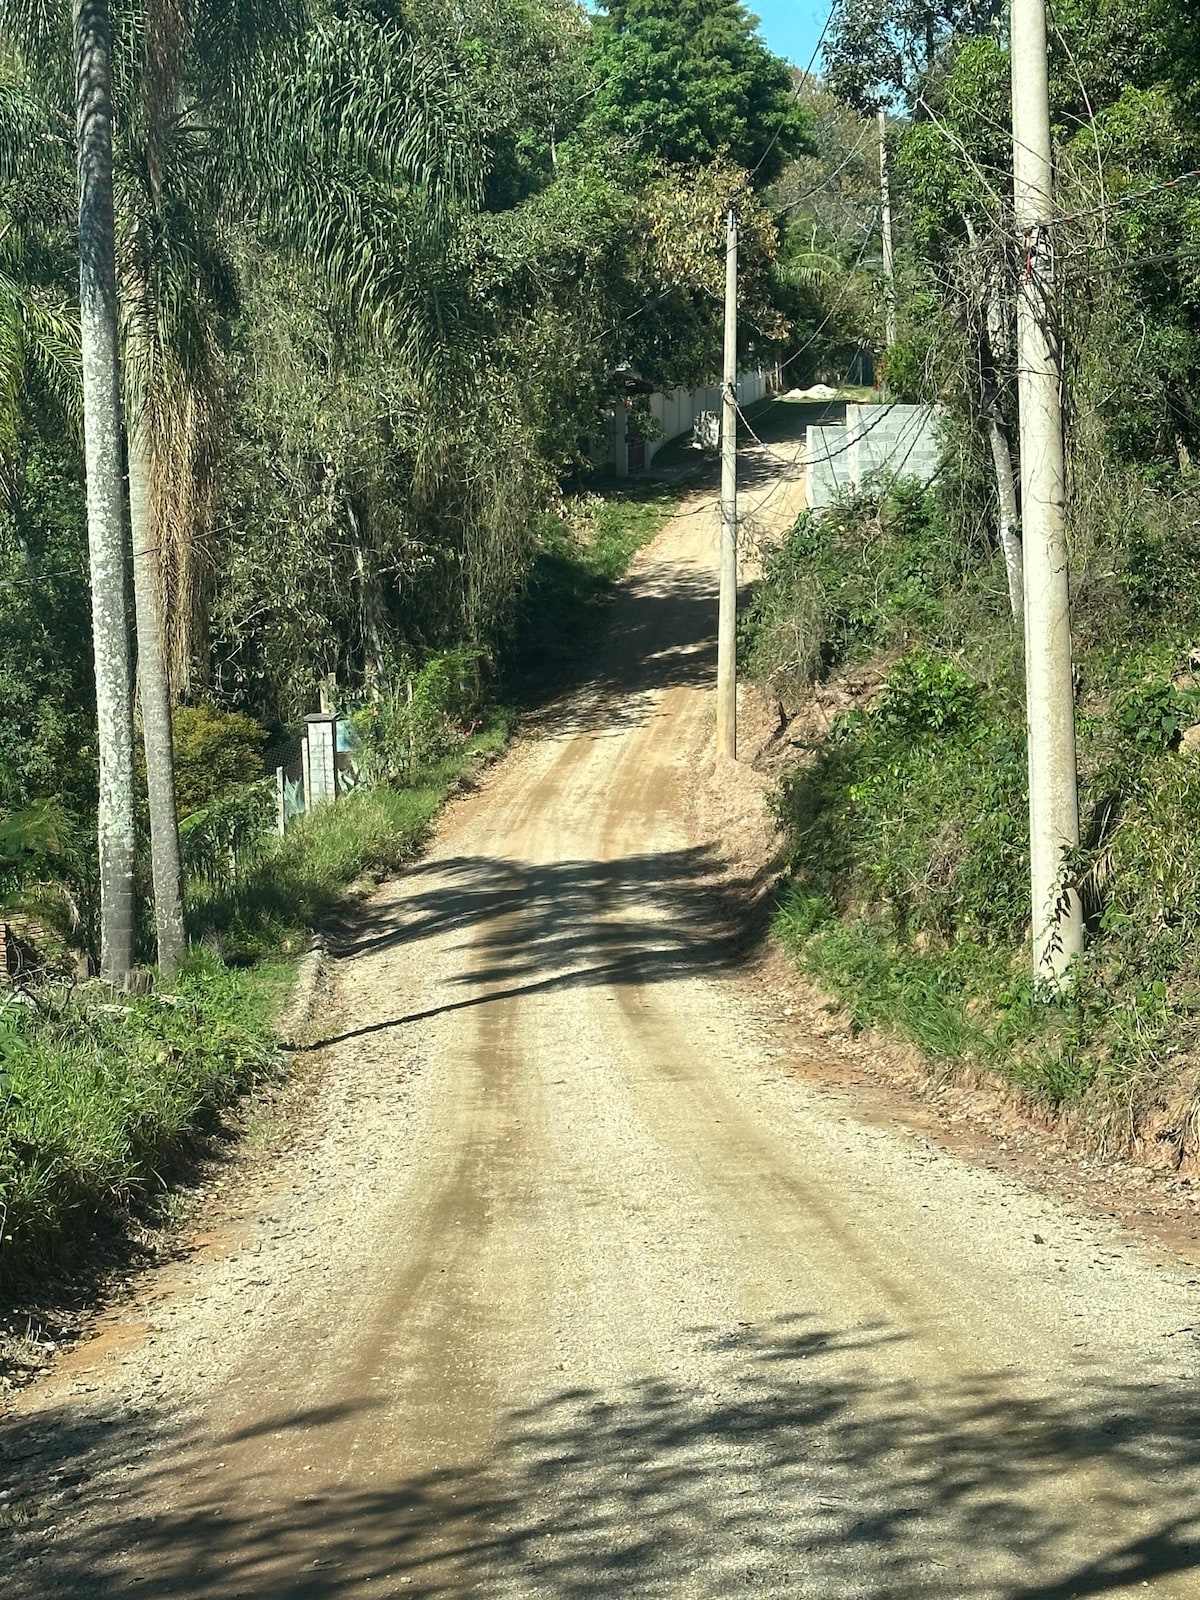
pixel 916 807
pixel 1154 716
pixel 883 570
pixel 425 713
pixel 928 695
pixel 214 751
pixel 219 843
pixel 785 629
pixel 34 842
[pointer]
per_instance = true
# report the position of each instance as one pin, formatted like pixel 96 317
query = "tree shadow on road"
pixel 659 634
pixel 802 1462
pixel 527 928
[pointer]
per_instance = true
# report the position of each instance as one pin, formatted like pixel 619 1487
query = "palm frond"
pixel 810 269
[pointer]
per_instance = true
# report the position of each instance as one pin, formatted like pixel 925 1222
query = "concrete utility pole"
pixel 889 259
pixel 727 614
pixel 1049 684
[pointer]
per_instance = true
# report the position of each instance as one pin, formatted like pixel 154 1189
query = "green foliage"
pixel 219 843
pixel 292 882
pixel 423 715
pixel 1147 873
pixel 916 808
pixel 98 1097
pixel 215 751
pixel 622 521
pixel 33 843
pixel 1154 716
pixel 907 891
pixel 785 630
pixel 876 572
pixel 582 549
pixel 265 895
pixel 688 80
pixel 526 73
pixel 47 736
pixel 47 743
pixel 877 49
pixel 926 998
pixel 925 697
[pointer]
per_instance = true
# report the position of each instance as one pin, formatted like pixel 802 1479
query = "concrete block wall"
pixel 899 441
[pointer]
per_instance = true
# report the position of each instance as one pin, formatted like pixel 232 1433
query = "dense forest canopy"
pixel 378 266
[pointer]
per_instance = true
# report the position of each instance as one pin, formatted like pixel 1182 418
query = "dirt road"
pixel 572 1290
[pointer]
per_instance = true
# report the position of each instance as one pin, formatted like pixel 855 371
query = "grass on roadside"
pixel 101 1094
pixel 298 878
pixel 581 554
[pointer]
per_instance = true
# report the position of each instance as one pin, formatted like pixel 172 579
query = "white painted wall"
pixel 676 412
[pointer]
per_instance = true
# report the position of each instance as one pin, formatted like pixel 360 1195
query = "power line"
pixel 823 186
pixel 1127 199
pixel 795 97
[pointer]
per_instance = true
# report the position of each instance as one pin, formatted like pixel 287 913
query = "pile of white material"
pixel 819 391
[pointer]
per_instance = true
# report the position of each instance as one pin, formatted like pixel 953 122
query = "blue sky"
pixel 791 27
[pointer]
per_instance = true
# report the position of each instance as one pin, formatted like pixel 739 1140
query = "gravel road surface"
pixel 569 1289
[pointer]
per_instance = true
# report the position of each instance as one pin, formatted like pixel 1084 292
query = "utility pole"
pixel 727 613
pixel 1049 682
pixel 889 259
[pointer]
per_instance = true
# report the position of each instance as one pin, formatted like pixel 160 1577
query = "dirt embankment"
pixel 977 1114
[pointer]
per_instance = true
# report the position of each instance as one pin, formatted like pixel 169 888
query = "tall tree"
pixel 107 524
pixel 688 80
pixel 169 259
pixel 877 50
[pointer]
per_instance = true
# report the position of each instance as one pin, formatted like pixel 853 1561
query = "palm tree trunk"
pixel 156 715
pixel 107 543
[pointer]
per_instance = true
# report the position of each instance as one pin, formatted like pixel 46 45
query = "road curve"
pixel 572 1291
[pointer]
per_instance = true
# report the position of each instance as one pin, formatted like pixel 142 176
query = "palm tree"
pixel 176 289
pixel 340 140
pixel 333 142
pixel 29 26
pixel 39 310
pixel 107 525
pixel 168 265
pixel 158 738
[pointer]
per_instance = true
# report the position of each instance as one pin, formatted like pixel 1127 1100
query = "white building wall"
pixel 676 411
